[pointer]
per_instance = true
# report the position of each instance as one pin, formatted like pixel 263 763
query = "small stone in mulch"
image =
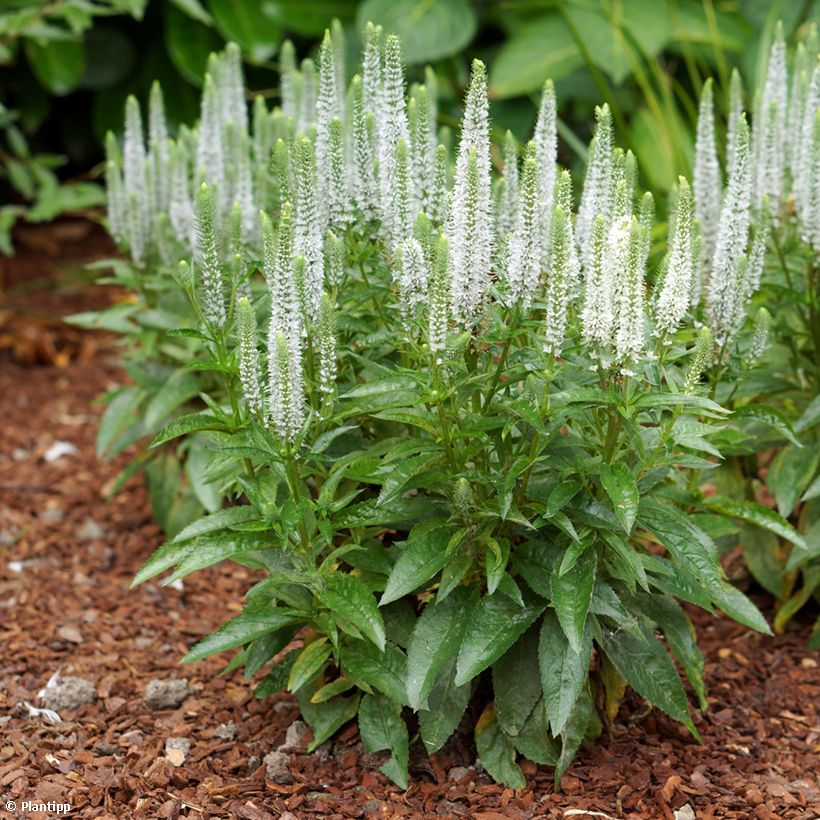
pixel 166 694
pixel 70 633
pixel 458 773
pixel 296 737
pixel 69 693
pixel 51 515
pixel 225 731
pixel 102 747
pixel 177 749
pixel 277 768
pixel 685 813
pixel 90 530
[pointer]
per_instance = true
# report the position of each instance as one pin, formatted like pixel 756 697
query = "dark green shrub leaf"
pixel 789 475
pixel 309 662
pixel 571 594
pixel 517 683
pixel 347 596
pixel 381 727
pixel 446 704
pixel 496 750
pixel 385 670
pixel 325 718
pixel 534 740
pixel 619 483
pixel 758 515
pixel 576 728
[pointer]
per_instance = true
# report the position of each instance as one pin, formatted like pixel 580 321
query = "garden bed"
pixel 67 557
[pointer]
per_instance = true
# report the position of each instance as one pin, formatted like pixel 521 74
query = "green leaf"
pixel 800 557
pixel 248 23
pixel 346 595
pixel 188 43
pixel 311 19
pixel 429 30
pixel 575 730
pixel 276 680
pixel 263 649
pixel 221 520
pixel 400 474
pixel 789 475
pixel 325 718
pixel 424 554
pixel 571 594
pixel 562 494
pixel 184 425
pixel 58 65
pixel 195 10
pixel 330 690
pixel 619 483
pixel 517 683
pixel 496 624
pixel 446 704
pixel 542 49
pixel 736 605
pixel 810 417
pixel 534 740
pixel 383 670
pixel 761 552
pixel 119 416
pixel 310 661
pixel 179 388
pixel 756 514
pixel 563 670
pixel 251 624
pixel 438 633
pixel 645 664
pixel 381 727
pixel 770 416
pixel 497 751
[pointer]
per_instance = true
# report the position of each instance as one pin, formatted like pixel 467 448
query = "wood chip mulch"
pixel 67 557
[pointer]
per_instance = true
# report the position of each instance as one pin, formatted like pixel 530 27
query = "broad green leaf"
pixel 496 624
pixel 188 43
pixel 789 475
pixel 763 556
pixel 535 742
pixel 563 670
pixel 325 718
pixel 423 556
pixel 626 559
pixel 311 19
pixel 309 662
pixel 263 649
pixel 563 493
pixel 810 417
pixel 446 703
pixel 248 23
pixel 399 475
pixel 221 520
pixel 276 680
pixel 619 482
pixel 540 50
pixel 435 639
pixel 184 425
pixel 496 750
pixel 330 690
pixel 251 624
pixel 381 727
pixel 517 683
pixel 736 605
pixel 770 416
pixel 800 557
pixel 758 515
pixel 575 730
pixel 179 388
pixel 535 563
pixel 571 594
pixel 346 595
pixel 59 66
pixel 194 9
pixel 647 667
pixel 429 29
pixel 383 670
pixel 120 415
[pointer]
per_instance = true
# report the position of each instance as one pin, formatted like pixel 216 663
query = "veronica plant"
pixel 458 442
pixel 772 186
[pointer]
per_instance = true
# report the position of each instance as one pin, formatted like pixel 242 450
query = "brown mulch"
pixel 67 557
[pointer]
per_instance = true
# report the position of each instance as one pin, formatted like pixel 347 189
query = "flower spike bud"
pixel 288 79
pixel 508 203
pixel 391 126
pixel 701 359
pixel 134 155
pixel 307 101
pixel 524 251
pixel 470 224
pixel 372 69
pixel 181 207
pixel 308 231
pixel 760 339
pixel 768 127
pixel 337 35
pixel 249 356
pixel 334 259
pixel 116 202
pixel 439 301
pixel 598 181
pixel 706 181
pixel 807 183
pixel 545 138
pixel 398 211
pixel 232 87
pixel 411 276
pixel 327 346
pixel 629 336
pixel 184 276
pixel 672 300
pixel 210 151
pixel 327 107
pixel 564 271
pixel 438 192
pixel 731 239
pixel 757 252
pixel 281 170
pixel 207 255
pixel 286 403
pixel 243 186
pixel 137 229
pixel 365 183
pixel 422 141
pixel 337 180
pixel 735 113
pixel 599 294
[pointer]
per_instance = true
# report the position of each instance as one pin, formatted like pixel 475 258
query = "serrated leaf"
pixel 563 670
pixel 184 425
pixel 385 670
pixel 619 483
pixel 534 741
pixel 497 751
pixel 446 703
pixel 435 639
pixel 309 662
pixel 346 595
pixel 381 727
pixel 263 649
pixel 758 515
pixel 571 594
pixel 517 683
pixel 770 416
pixel 575 729
pixel 496 624
pixel 424 554
pixel 789 475
pixel 325 718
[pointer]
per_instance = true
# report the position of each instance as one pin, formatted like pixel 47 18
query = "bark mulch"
pixel 67 556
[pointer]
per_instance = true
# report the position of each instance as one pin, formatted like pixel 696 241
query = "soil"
pixel 67 556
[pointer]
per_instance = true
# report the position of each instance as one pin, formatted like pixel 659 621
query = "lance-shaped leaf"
pixel 619 482
pixel 347 596
pixel 496 750
pixel 571 594
pixel 381 727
